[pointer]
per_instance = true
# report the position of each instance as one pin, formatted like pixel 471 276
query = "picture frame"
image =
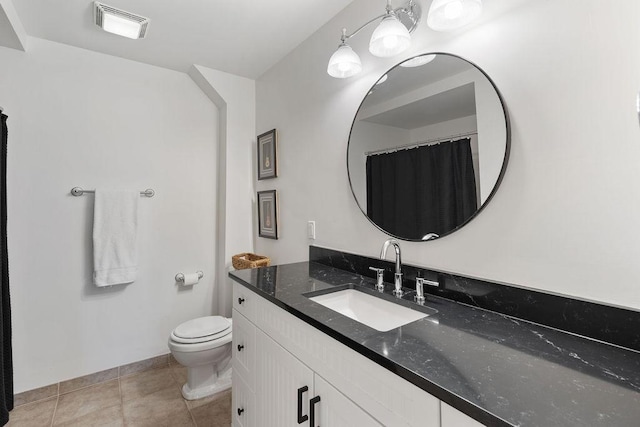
pixel 268 214
pixel 267 144
pixel 268 280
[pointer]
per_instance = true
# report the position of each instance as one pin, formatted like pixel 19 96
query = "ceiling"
pixel 426 110
pixel 444 106
pixel 245 38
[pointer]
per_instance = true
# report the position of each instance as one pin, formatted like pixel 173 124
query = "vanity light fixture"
pixel 119 22
pixel 391 37
pixel 446 15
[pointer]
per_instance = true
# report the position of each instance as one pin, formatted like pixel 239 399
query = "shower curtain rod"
pixel 420 144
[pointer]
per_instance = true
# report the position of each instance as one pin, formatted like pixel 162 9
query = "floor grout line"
pixel 193 418
pixel 121 398
pixel 55 409
pixel 203 415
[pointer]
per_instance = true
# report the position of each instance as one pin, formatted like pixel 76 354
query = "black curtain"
pixel 429 189
pixel 6 361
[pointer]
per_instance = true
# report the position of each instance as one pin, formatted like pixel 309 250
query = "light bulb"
pixel 344 62
pixel 390 42
pixel 389 38
pixel 453 10
pixel 382 79
pixel 446 15
pixel 418 61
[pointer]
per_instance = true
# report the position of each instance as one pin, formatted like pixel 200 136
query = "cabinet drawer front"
pixel 243 405
pixel 244 301
pixel 388 398
pixel 244 349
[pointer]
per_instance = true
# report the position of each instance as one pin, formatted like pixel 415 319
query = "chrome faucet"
pixel 398 275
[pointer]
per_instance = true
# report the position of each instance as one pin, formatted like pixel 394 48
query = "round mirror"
pixel 428 147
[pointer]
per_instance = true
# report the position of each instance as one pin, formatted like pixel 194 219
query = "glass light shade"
pixel 344 63
pixel 390 38
pixel 382 80
pixel 446 15
pixel 418 61
pixel 121 26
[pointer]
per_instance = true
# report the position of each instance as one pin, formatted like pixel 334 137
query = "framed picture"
pixel 268 280
pixel 268 214
pixel 267 155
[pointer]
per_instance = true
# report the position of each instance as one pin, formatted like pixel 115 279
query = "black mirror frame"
pixel 505 160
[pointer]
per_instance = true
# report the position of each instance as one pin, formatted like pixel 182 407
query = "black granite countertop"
pixel 495 368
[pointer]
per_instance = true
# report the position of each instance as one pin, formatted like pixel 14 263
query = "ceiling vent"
pixel 119 22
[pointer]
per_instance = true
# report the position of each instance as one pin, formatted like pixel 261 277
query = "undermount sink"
pixel 372 311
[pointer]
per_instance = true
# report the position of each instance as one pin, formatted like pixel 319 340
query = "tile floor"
pixel 151 398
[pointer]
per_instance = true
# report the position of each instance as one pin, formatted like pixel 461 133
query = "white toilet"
pixel 203 345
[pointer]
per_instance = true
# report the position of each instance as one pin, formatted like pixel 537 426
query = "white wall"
pixel 78 118
pixel 236 98
pixel 565 219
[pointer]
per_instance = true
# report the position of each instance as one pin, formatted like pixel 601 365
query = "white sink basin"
pixel 374 312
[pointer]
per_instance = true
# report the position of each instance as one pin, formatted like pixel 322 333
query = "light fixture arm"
pixel 410 10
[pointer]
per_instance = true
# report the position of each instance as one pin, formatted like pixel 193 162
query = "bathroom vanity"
pixel 297 360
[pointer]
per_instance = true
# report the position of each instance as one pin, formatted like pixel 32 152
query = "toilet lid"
pixel 203 327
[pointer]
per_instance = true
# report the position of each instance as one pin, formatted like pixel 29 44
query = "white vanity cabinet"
pixel 451 417
pixel 275 389
pixel 244 357
pixel 284 358
pixel 290 394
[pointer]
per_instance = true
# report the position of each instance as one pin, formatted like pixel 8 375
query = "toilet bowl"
pixel 203 346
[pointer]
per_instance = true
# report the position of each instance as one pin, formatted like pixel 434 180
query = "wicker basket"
pixel 249 260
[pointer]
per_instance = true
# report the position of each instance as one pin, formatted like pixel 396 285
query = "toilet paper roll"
pixel 191 279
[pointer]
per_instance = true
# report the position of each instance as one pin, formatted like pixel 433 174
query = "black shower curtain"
pixel 6 358
pixel 429 189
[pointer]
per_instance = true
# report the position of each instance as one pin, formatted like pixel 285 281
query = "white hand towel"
pixel 115 221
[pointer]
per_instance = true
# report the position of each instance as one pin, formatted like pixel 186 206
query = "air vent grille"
pixel 100 9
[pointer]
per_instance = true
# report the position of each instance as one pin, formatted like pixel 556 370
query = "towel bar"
pixel 77 191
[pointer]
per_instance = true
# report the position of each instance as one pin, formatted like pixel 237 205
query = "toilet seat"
pixel 202 329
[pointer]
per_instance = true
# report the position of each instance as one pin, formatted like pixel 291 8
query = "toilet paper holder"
pixel 180 276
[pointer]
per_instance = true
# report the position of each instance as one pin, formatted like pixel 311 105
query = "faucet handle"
pixel 419 290
pixel 420 282
pixel 379 277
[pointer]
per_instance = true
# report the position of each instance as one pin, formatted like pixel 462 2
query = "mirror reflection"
pixel 428 147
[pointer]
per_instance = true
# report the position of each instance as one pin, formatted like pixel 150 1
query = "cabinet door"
pixel 244 349
pixel 451 417
pixel 279 375
pixel 243 407
pixel 335 410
